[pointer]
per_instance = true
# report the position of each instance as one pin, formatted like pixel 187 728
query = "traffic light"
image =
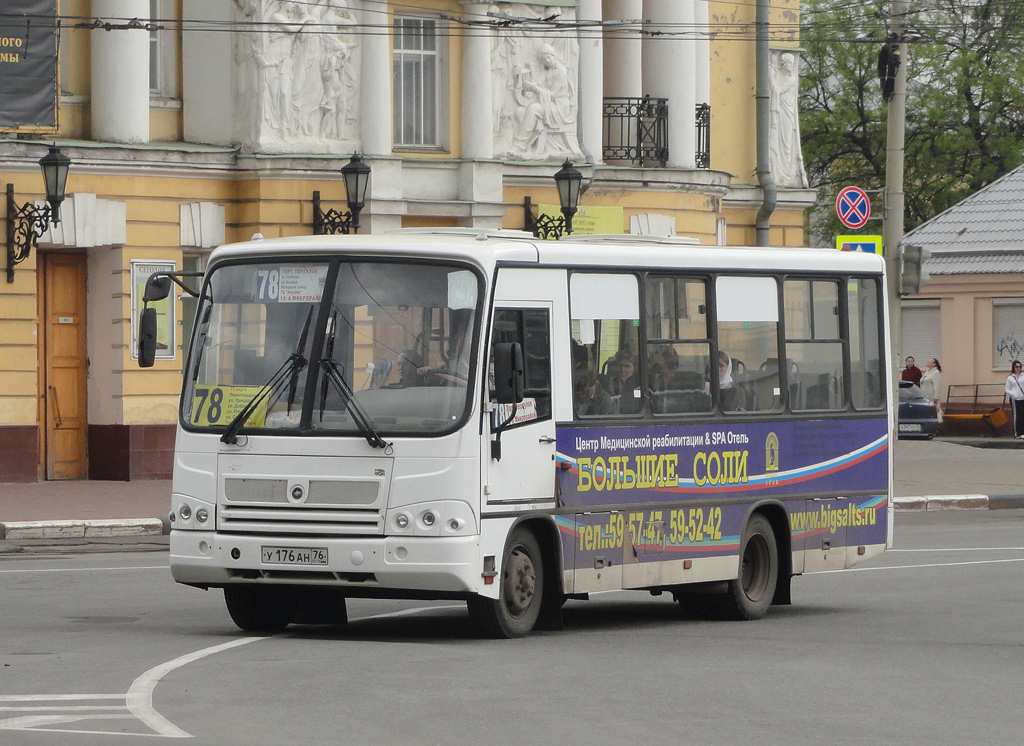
pixel 912 277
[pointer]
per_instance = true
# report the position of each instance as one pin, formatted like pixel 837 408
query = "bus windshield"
pixel 336 346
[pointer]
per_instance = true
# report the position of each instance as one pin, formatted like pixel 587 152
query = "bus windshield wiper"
pixel 333 374
pixel 288 371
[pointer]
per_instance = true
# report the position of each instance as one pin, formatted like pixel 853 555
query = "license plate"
pixel 294 555
pixel 910 428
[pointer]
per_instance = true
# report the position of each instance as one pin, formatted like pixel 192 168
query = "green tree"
pixel 965 100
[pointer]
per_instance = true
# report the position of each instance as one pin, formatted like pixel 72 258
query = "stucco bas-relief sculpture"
pixel 296 76
pixel 534 89
pixel 787 158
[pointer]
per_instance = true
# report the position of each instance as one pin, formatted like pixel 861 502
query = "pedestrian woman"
pixel 931 381
pixel 1015 390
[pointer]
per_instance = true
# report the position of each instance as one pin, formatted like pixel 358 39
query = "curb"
pixel 84 529
pixel 958 502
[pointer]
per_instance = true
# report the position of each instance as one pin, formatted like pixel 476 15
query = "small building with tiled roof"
pixel 970 312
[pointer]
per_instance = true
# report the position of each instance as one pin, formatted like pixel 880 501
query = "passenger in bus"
pixel 590 399
pixel 626 383
pixel 731 396
pixel 663 364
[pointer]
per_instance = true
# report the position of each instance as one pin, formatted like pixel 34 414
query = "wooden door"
pixel 65 418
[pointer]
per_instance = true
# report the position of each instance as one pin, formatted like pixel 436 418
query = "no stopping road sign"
pixel 853 207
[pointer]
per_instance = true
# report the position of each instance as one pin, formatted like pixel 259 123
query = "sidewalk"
pixel 941 474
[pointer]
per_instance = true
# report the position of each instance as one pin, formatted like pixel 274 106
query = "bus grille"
pixel 327 508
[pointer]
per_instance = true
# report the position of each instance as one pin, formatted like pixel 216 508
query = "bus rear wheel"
pixel 514 613
pixel 261 608
pixel 750 595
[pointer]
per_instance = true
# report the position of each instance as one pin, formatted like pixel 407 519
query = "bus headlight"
pixel 441 518
pixel 192 513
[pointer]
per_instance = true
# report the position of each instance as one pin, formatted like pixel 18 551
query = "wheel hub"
pixel 520 582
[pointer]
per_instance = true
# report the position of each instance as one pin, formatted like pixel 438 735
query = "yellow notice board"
pixel 218 405
pixel 589 220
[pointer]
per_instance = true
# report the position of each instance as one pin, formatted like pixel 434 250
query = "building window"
pixel 1008 316
pixel 162 61
pixel 416 76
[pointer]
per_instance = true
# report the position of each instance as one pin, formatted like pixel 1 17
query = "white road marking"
pixel 140 695
pixel 961 549
pixel 138 701
pixel 64 570
pixel 916 567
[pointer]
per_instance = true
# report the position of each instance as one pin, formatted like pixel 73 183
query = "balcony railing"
pixel 636 130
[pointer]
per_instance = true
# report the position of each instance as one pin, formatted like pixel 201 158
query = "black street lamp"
pixel 568 181
pixel 28 223
pixel 357 183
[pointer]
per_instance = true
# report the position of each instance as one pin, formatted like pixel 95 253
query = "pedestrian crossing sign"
pixel 866 244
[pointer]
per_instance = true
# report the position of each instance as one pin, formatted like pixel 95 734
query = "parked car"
pixel 918 417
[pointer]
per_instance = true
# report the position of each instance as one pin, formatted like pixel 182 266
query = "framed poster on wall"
pixel 166 347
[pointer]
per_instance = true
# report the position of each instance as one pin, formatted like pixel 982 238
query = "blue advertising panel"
pixel 664 492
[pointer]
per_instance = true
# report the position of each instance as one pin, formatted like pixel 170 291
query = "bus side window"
pixel 605 344
pixel 678 348
pixel 530 328
pixel 866 350
pixel 748 322
pixel 814 345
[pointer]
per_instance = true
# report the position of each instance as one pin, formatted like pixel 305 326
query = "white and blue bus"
pixel 483 416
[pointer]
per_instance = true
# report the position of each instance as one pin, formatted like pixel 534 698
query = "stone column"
pixel 375 87
pixel 622 66
pixel 120 74
pixel 477 108
pixel 670 70
pixel 591 81
pixel 703 49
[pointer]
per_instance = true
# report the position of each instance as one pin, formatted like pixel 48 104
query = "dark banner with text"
pixel 28 63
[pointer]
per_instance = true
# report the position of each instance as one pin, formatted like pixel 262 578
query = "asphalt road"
pixel 922 645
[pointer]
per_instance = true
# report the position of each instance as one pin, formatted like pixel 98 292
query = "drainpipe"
pixel 762 97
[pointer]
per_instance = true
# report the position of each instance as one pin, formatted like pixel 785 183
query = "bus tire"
pixel 261 608
pixel 750 595
pixel 514 613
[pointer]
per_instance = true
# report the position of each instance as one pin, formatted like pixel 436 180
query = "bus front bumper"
pixel 399 563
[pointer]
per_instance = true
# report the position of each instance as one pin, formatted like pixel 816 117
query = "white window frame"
pixel 1001 360
pixel 438 116
pixel 163 57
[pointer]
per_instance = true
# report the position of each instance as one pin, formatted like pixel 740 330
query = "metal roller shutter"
pixel 920 331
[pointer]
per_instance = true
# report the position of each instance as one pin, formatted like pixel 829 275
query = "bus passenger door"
pixel 525 472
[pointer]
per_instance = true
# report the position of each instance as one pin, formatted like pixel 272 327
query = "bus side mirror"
pixel 509 372
pixel 147 337
pixel 158 287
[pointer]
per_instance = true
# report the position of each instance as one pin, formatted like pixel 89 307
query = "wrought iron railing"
pixel 703 135
pixel 636 130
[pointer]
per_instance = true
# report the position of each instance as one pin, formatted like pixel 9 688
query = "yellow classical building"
pixel 189 123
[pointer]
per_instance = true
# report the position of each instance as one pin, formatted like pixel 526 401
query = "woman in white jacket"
pixel 1015 390
pixel 931 381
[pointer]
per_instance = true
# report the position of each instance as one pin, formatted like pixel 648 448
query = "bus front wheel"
pixel 514 613
pixel 261 608
pixel 750 595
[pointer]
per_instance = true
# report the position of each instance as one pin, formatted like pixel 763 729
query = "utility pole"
pixel 892 218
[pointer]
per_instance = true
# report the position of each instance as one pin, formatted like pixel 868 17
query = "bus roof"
pixel 488 248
